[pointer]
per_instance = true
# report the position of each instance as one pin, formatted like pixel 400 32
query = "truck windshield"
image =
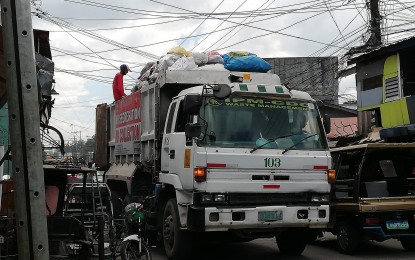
pixel 262 122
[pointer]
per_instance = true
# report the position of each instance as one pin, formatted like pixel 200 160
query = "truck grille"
pixel 236 199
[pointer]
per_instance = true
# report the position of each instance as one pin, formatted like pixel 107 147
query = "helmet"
pixel 133 212
pixel 124 66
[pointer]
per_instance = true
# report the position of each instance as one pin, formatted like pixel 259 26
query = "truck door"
pixel 174 146
pixel 165 153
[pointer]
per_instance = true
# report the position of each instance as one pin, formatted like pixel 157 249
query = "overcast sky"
pixel 91 39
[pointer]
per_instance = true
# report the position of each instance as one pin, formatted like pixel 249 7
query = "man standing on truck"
pixel 118 84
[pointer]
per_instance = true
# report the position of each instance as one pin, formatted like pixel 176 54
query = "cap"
pixel 124 66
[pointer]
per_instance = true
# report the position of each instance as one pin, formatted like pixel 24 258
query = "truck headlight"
pixel 213 198
pixel 220 197
pixel 320 198
pixel 207 198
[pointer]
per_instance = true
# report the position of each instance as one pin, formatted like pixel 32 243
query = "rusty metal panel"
pixel 2 71
pixel 101 136
pixel 364 123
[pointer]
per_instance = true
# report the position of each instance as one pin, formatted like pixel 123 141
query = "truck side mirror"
pixel 221 91
pixel 193 130
pixel 192 104
pixel 327 123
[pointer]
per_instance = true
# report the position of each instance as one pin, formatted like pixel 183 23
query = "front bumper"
pixel 222 219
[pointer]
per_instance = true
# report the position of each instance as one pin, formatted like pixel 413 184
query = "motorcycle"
pixel 133 245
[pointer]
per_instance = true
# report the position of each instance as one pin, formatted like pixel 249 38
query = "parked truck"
pixel 219 152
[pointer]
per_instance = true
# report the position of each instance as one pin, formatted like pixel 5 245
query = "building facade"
pixel 385 83
pixel 315 75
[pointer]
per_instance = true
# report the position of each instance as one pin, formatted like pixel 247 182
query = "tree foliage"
pixel 82 149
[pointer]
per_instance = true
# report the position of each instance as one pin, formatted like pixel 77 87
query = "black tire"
pixel 177 243
pixel 408 244
pixel 293 241
pixel 348 238
pixel 130 250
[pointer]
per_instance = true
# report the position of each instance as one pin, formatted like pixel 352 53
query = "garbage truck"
pixel 222 153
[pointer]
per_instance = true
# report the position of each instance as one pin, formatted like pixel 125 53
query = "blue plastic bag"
pixel 250 63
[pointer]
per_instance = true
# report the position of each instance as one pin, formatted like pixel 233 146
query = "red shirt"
pixel 118 86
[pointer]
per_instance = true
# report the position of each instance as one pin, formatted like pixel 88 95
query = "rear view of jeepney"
pixel 374 194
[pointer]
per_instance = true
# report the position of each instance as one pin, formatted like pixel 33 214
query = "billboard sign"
pixel 127 123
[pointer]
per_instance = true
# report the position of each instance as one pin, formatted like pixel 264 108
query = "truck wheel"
pixel 292 241
pixel 177 243
pixel 408 243
pixel 134 250
pixel 348 238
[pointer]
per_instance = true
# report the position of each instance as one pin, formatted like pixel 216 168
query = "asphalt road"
pixel 266 249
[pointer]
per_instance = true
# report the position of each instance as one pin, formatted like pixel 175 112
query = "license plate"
pixel 397 224
pixel 269 216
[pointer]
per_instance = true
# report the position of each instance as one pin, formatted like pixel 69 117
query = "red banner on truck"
pixel 127 123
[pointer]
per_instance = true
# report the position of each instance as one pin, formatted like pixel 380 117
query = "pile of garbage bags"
pixel 179 58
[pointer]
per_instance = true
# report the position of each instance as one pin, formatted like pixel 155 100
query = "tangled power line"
pixel 231 25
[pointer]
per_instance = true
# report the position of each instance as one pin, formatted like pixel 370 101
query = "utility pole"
pixel 375 19
pixel 76 132
pixel 76 145
pixel 375 38
pixel 74 148
pixel 23 100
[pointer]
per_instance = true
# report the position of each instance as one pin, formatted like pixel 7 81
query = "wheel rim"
pixel 343 238
pixel 133 251
pixel 168 231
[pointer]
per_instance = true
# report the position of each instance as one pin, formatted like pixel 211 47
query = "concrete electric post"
pixel 23 100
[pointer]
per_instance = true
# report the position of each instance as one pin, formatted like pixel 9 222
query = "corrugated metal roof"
pixel 384 50
pixel 342 127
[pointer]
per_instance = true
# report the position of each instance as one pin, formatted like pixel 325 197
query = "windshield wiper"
pixel 299 142
pixel 270 141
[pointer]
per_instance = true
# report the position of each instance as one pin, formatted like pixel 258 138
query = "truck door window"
pixel 170 117
pixel 181 119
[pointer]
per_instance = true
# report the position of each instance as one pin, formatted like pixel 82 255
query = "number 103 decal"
pixel 272 162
